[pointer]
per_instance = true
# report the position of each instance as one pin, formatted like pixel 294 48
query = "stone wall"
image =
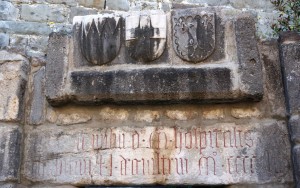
pixel 56 132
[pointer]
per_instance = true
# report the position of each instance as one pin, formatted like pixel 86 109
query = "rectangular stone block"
pixel 8 11
pixel 248 55
pixel 218 154
pixel 10 138
pixel 80 11
pixel 290 61
pixel 99 4
pixel 13 77
pixel 37 111
pixel 44 13
pixel 27 28
pixel 152 85
pixel 56 66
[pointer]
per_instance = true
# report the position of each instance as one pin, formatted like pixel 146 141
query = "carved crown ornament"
pixel 186 55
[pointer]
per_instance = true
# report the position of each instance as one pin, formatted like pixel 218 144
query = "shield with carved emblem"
pixel 193 34
pixel 99 37
pixel 146 35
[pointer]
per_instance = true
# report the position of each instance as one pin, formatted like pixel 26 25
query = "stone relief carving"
pixel 193 35
pixel 100 37
pixel 195 38
pixel 146 35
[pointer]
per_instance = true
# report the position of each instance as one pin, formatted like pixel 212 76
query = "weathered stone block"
pixel 99 4
pixel 294 124
pixel 4 40
pixel 13 77
pixel 245 112
pixel 296 163
pixel 147 116
pixel 57 62
pixel 165 84
pixel 11 185
pixel 263 4
pixel 74 118
pixel 29 28
pixel 181 115
pixel 64 2
pixel 80 11
pixel 10 138
pixel 44 13
pixel 37 110
pixel 275 91
pixel 215 113
pixel 290 61
pixel 248 55
pixel 225 153
pixel 118 5
pixel 8 11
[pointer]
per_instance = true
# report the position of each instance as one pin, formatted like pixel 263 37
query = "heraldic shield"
pixel 146 34
pixel 193 34
pixel 99 37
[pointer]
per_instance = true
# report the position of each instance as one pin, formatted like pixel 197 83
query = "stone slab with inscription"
pixel 223 153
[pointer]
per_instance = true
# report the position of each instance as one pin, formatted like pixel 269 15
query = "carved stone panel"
pixel 146 35
pixel 193 34
pixel 99 37
pixel 230 77
pixel 224 153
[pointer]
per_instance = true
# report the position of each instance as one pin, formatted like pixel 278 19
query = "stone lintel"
pixel 219 154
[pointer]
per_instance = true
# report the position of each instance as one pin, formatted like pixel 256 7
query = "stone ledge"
pixel 152 85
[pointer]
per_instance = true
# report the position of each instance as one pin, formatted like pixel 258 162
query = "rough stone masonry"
pixel 136 92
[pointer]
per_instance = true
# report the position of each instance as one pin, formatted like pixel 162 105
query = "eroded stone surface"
pixel 10 138
pixel 13 77
pixel 245 112
pixel 193 34
pixel 74 118
pixel 99 37
pixel 152 85
pixel 290 60
pixel 224 153
pixel 37 111
pixel 146 34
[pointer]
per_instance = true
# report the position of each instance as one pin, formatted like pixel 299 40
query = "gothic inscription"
pixel 148 155
pixel 193 35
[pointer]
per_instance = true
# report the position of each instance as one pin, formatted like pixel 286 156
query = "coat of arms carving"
pixel 99 37
pixel 193 35
pixel 146 35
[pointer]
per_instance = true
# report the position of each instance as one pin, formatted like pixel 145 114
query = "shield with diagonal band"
pixel 193 34
pixel 99 37
pixel 146 35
